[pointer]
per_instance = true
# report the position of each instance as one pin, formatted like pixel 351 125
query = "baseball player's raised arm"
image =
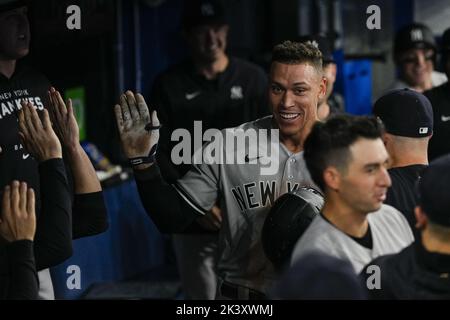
pixel 53 240
pixel 165 206
pixel 88 210
pixel 139 135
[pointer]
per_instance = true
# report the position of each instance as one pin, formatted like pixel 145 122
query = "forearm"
pixel 168 169
pixel 84 177
pixel 89 215
pixel 163 204
pixel 53 240
pixel 23 283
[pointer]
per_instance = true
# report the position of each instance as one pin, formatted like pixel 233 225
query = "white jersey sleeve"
pixel 199 186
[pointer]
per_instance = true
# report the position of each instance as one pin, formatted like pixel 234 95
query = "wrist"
pixel 74 153
pixel 147 172
pixel 73 149
pixel 51 155
pixel 142 166
pixel 143 161
pixel 24 238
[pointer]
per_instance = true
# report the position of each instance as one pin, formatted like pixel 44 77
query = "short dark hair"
pixel 433 191
pixel 329 142
pixel 7 5
pixel 290 52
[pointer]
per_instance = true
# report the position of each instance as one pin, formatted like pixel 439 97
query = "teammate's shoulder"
pixel 319 229
pixel 388 214
pixel 247 67
pixel 399 263
pixel 318 236
pixel 438 93
pixel 438 78
pixel 175 71
pixel 29 72
pixel 398 173
pixel 261 123
pixel 387 209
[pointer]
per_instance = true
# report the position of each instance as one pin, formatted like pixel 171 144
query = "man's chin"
pixel 420 80
pixel 17 54
pixel 23 53
pixel 376 207
pixel 289 131
pixel 211 56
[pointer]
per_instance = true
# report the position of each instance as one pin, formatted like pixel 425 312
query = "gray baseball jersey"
pixel 245 196
pixel 390 234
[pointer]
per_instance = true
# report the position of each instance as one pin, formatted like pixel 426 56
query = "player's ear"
pixel 322 88
pixel 386 138
pixel 332 178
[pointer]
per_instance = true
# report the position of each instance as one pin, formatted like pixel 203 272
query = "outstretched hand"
pixel 38 136
pixel 18 218
pixel 138 130
pixel 64 121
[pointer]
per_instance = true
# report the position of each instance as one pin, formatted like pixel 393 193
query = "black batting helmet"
pixel 286 222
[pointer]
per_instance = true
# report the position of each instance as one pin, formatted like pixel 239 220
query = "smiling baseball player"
pixel 245 192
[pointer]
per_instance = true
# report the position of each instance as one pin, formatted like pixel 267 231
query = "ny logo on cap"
pixel 314 43
pixel 207 9
pixel 423 130
pixel 416 35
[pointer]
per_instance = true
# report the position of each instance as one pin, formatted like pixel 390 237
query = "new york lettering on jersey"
pixel 246 195
pixel 15 161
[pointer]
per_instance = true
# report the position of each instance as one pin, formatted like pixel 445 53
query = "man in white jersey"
pixel 347 159
pixel 246 189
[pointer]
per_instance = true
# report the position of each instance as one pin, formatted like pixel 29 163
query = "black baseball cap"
pixel 406 113
pixel 434 191
pixel 6 5
pixel 318 276
pixel 203 12
pixel 414 36
pixel 322 43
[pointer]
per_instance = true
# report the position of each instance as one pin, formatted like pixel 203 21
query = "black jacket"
pixel 414 273
pixel 19 260
pixel 440 100
pixel 401 195
pixel 89 211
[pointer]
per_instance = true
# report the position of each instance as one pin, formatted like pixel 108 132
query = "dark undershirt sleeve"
pixel 89 214
pixel 23 284
pixel 163 204
pixel 53 240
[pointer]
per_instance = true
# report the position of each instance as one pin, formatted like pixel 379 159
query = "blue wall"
pixel 159 44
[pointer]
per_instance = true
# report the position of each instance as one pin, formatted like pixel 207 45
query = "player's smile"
pixel 286 119
pixel 289 116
